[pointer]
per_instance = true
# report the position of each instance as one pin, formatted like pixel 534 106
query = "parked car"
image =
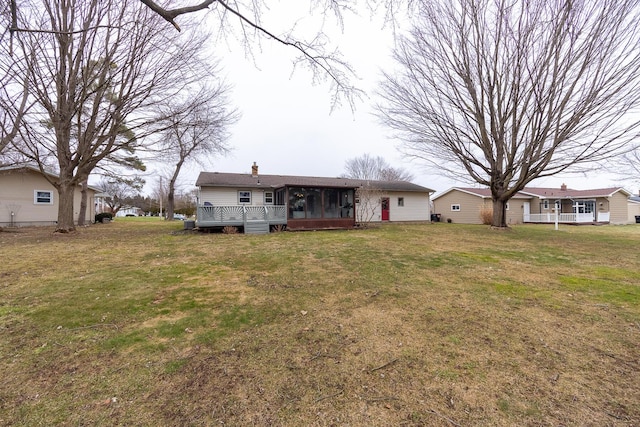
pixel 181 217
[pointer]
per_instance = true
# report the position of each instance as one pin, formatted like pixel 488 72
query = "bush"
pixel 229 229
pixel 102 215
pixel 486 215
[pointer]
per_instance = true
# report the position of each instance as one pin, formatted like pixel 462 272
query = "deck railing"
pixel 238 215
pixel 577 218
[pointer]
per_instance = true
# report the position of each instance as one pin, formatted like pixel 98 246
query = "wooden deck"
pixel 255 219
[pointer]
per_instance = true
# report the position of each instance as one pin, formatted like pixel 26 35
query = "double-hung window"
pixel 244 197
pixel 268 197
pixel 43 197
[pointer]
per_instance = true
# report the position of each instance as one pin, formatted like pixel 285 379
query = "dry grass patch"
pixel 137 323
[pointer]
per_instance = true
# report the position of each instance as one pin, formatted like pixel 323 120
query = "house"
pixel 260 202
pixel 634 209
pixel 27 198
pixel 129 211
pixel 537 205
pixel 464 205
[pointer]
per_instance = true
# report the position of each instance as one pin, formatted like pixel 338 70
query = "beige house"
pixel 464 205
pixel 538 205
pixel 28 198
pixel 258 203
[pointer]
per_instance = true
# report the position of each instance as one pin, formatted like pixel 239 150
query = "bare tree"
pixel 376 168
pixel 503 92
pixel 14 99
pixel 195 128
pixel 627 166
pixel 244 20
pixel 95 69
pixel 120 190
pixel 372 170
pixel 369 198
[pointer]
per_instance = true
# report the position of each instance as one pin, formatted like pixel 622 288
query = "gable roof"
pixel 239 180
pixel 32 168
pixel 483 193
pixel 568 193
pixel 543 193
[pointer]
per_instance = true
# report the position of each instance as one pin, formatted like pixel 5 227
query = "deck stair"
pixel 256 227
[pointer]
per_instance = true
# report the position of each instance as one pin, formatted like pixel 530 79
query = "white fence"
pixel 577 218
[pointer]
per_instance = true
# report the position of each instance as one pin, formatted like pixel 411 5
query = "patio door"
pixel 585 210
pixel 384 206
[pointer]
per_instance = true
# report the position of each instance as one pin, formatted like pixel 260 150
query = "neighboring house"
pixel 27 198
pixel 129 211
pixel 258 202
pixel 464 205
pixel 100 202
pixel 537 205
pixel 634 209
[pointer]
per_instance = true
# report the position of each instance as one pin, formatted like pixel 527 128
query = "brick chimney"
pixel 563 187
pixel 254 170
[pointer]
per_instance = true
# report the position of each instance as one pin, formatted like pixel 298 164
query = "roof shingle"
pixel 221 179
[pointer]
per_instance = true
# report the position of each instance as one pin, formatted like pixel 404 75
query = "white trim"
pixel 455 207
pixel 244 195
pixel 36 197
pixel 266 197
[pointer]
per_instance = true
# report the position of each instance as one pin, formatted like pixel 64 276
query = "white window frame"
pixel 545 204
pixel 36 200
pixel 244 197
pixel 400 202
pixel 506 207
pixel 455 207
pixel 268 197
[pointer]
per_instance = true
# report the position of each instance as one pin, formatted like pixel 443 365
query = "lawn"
pixel 141 323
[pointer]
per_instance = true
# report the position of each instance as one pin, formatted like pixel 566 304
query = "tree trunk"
pixel 170 203
pixel 172 189
pixel 83 205
pixel 65 208
pixel 499 213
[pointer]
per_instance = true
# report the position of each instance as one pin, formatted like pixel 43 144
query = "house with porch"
pixel 538 205
pixel 257 203
pixel 28 198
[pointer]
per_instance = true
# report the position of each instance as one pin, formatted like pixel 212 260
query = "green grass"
pixel 138 322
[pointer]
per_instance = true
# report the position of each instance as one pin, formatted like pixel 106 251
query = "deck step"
pixel 256 227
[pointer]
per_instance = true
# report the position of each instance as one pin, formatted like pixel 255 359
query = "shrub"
pixel 486 215
pixel 278 228
pixel 229 229
pixel 102 215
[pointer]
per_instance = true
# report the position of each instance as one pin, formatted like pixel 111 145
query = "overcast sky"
pixel 287 127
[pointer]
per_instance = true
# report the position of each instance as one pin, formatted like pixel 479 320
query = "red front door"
pixel 385 209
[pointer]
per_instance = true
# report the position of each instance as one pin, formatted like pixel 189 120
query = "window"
pixel 41 197
pixel 506 206
pixel 455 208
pixel 400 201
pixel 268 197
pixel 296 202
pixel 320 203
pixel 244 197
pixel 314 203
pixel 545 204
